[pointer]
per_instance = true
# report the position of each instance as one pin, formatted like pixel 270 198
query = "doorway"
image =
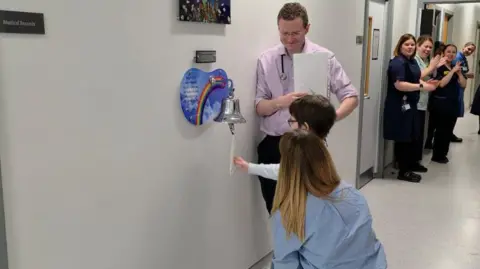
pixel 372 85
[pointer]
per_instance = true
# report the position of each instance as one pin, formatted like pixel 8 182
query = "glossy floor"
pixel 434 224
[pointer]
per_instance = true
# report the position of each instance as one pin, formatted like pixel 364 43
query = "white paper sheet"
pixel 232 155
pixel 310 72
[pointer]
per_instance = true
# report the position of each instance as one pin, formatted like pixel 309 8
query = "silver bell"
pixel 230 112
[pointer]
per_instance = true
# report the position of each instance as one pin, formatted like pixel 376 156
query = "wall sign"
pixel 202 93
pixel 17 22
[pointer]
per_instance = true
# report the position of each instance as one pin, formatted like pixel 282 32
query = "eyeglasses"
pixel 292 34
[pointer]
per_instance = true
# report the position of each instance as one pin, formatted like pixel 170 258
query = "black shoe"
pixel 419 168
pixel 456 139
pixel 409 176
pixel 442 160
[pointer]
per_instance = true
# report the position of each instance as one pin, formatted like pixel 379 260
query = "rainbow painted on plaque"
pixel 215 83
pixel 202 93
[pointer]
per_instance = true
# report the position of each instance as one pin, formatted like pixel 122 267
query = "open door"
pixel 429 18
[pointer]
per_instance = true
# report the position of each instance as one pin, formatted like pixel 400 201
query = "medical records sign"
pixel 21 22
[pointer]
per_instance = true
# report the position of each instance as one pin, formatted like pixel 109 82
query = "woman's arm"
pixel 428 71
pixel 404 86
pixel 397 73
pixel 461 80
pixel 446 79
pixel 435 63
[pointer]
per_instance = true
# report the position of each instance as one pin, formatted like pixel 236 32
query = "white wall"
pixel 400 26
pixel 464 30
pixel 99 168
pixel 371 106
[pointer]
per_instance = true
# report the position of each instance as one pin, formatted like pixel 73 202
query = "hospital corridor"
pixel 223 134
pixel 434 224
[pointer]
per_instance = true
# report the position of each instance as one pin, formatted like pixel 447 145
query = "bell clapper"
pixel 232 128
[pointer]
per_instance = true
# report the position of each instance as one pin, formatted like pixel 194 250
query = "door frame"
pixel 361 95
pixel 476 64
pixel 386 35
pixel 387 53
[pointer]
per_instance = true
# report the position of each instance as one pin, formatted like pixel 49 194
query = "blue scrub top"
pixel 399 125
pixel 465 69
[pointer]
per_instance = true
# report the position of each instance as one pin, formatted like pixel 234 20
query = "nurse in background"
pixel 275 91
pixel 424 49
pixel 444 103
pixel 461 57
pixel 401 119
pixel 439 46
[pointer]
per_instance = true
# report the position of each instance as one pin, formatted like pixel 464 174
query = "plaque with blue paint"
pixel 202 93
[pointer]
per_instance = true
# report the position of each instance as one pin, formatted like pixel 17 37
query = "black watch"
pixel 421 86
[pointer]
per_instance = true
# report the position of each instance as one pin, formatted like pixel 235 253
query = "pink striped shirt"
pixel 271 86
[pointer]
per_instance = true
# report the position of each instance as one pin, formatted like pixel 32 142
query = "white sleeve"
pixel 264 170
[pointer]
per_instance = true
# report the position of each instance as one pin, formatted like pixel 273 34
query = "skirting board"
pixel 365 178
pixel 3 234
pixel 264 263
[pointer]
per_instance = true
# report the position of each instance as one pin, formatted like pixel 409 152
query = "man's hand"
pixel 266 107
pixel 286 100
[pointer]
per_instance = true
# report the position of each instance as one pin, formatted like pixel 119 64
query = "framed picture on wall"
pixel 375 44
pixel 206 11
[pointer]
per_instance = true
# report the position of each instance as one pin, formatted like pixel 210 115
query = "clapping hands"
pixel 457 68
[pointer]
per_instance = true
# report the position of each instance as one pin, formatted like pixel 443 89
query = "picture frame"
pixel 204 11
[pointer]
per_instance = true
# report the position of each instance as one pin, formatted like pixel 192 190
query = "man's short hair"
pixel 470 44
pixel 291 11
pixel 316 111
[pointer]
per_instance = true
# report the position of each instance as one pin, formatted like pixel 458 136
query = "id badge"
pixel 405 107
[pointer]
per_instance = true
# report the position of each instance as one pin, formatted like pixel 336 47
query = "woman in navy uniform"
pixel 439 47
pixel 444 103
pixel 401 120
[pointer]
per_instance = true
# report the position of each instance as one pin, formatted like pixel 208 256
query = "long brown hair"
pixel 305 167
pixel 404 38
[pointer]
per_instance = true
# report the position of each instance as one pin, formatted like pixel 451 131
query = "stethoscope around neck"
pixel 283 76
